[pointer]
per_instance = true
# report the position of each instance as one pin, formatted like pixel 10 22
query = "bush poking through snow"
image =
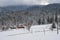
pixel 53 26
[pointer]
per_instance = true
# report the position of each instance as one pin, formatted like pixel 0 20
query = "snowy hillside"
pixel 23 34
pixel 40 27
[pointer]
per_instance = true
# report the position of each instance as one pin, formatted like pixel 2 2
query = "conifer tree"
pixel 39 21
pixel 56 18
pixel 43 22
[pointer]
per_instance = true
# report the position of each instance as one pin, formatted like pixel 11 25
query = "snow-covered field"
pixel 23 34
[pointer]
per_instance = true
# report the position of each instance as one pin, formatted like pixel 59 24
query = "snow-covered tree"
pixel 39 21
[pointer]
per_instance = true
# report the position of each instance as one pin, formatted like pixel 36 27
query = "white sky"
pixel 27 2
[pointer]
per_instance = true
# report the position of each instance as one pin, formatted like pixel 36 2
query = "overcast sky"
pixel 27 2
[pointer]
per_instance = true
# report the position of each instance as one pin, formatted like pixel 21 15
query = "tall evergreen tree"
pixel 39 21
pixel 56 18
pixel 43 22
pixel 51 19
pixel 48 19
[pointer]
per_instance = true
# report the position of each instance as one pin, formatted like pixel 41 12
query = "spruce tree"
pixel 53 25
pixel 48 20
pixel 39 21
pixel 56 18
pixel 43 22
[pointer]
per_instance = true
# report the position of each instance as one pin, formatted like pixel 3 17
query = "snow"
pixel 23 34
pixel 40 27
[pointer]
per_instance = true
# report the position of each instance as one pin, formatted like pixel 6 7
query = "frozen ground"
pixel 23 34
